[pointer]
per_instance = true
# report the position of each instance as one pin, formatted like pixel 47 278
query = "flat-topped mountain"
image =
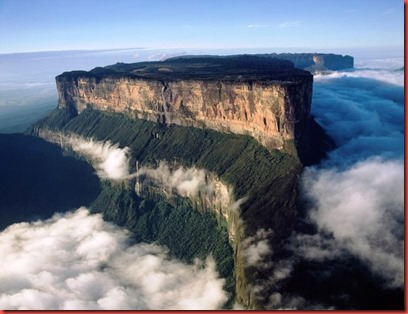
pixel 316 62
pixel 204 68
pixel 245 120
pixel 266 98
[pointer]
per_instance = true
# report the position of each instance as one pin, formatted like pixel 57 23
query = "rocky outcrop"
pixel 273 107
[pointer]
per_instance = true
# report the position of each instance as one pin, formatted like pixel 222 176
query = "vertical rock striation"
pixel 270 104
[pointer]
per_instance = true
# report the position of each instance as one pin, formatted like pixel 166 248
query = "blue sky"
pixel 43 25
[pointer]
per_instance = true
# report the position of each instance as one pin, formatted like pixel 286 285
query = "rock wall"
pixel 272 112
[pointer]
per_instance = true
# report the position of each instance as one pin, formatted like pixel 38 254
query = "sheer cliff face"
pixel 270 111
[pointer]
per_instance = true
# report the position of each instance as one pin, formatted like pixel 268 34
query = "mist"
pixel 77 261
pixel 257 249
pixel 109 160
pixel 187 182
pixel 112 163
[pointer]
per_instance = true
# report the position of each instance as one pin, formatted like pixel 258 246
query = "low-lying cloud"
pixel 110 161
pixel 256 248
pixel 186 182
pixel 78 261
pixel 357 194
pixel 365 116
pixel 363 207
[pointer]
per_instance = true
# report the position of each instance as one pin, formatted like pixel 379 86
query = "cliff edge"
pixel 266 98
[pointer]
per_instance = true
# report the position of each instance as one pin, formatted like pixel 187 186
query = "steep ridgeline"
pixel 265 98
pixel 211 114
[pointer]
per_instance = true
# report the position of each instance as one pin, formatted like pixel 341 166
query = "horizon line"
pixel 201 48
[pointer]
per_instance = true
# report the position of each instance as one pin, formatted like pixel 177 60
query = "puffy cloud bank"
pixel 363 114
pixel 256 248
pixel 110 161
pixel 187 182
pixel 363 207
pixel 358 193
pixel 355 197
pixel 77 261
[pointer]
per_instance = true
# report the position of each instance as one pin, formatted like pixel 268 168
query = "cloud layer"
pixel 78 261
pixel 358 193
pixel 365 116
pixel 363 207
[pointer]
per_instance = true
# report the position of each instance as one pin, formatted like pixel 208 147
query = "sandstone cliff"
pixel 265 98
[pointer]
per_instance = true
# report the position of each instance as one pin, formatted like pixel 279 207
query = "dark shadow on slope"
pixel 36 180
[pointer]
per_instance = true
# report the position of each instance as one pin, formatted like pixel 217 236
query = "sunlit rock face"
pixel 270 102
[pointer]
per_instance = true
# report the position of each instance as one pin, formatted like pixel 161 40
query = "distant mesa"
pixel 317 62
pixel 312 62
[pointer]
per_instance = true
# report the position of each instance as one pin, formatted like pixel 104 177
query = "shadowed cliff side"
pixel 269 183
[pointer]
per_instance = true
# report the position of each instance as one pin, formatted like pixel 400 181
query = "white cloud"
pixel 77 261
pixel 357 194
pixel 363 207
pixel 363 112
pixel 277 301
pixel 383 75
pixel 257 25
pixel 256 248
pixel 316 247
pixel 110 161
pixel 187 182
pixel 160 56
pixel 288 24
